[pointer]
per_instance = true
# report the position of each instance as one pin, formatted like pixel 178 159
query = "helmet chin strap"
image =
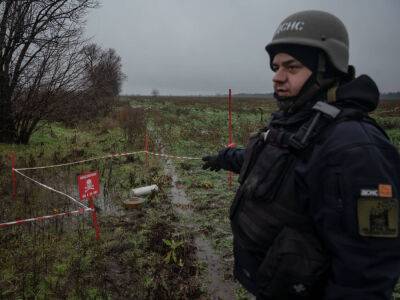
pixel 315 84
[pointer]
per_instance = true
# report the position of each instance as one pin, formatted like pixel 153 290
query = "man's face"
pixel 290 75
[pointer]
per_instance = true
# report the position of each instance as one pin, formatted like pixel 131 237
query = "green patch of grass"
pixel 197 127
pixel 388 122
pixel 394 135
pixel 60 258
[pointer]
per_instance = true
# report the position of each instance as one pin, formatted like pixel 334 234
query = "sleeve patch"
pixel 378 217
pixel 385 190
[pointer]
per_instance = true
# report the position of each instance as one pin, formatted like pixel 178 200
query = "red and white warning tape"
pixel 84 207
pixel 69 213
pixel 82 161
pixel 172 156
pixel 51 189
pixel 105 157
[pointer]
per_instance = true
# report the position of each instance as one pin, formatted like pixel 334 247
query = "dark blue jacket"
pixel 352 172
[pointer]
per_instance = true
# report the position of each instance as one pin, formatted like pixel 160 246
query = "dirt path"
pixel 218 287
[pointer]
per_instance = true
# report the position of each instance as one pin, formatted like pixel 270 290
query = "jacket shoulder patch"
pixel 378 217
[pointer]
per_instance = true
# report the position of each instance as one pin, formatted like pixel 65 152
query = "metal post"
pixel 230 132
pixel 94 218
pixel 13 177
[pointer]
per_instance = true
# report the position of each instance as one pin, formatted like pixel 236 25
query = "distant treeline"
pixel 390 96
pixel 384 96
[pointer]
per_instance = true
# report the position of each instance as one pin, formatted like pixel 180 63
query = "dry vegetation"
pixel 61 259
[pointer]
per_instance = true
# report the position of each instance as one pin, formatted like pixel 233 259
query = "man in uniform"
pixel 316 215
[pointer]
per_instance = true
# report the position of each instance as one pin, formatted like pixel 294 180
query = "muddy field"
pixel 177 245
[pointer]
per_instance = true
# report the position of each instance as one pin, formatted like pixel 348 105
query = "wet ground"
pixel 218 287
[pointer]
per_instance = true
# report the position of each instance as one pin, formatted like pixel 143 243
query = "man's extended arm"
pixel 230 159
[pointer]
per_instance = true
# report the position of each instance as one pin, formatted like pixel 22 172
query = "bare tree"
pixel 104 77
pixel 101 84
pixel 40 61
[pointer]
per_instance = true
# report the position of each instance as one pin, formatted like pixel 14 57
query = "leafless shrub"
pixel 108 123
pixel 132 120
pixel 100 85
pixel 39 61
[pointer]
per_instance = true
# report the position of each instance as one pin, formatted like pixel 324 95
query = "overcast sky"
pixel 207 46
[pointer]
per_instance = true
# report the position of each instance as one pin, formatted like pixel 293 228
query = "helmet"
pixel 317 29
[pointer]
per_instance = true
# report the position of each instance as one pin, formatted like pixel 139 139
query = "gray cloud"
pixel 208 46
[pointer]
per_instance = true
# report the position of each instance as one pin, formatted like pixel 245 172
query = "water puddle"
pixel 178 196
pixel 218 288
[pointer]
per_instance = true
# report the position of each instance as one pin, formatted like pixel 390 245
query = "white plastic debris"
pixel 144 190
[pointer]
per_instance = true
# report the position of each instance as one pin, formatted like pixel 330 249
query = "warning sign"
pixel 89 185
